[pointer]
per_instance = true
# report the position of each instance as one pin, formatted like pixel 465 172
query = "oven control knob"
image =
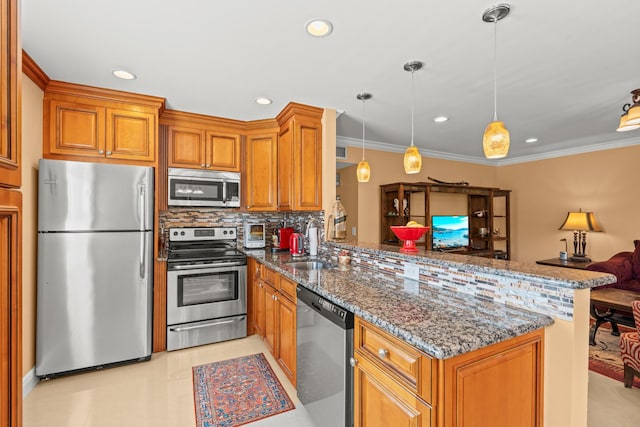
pixel 224 232
pixel 175 233
pixel 182 233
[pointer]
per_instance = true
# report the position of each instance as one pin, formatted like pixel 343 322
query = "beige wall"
pixel 31 152
pixel 387 168
pixel 544 191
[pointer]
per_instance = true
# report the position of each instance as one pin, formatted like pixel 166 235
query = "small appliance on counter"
pixel 255 235
pixel 296 244
pixel 283 237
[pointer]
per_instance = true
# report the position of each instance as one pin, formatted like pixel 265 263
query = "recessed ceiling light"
pixel 441 119
pixel 318 27
pixel 531 140
pixel 124 75
pixel 262 100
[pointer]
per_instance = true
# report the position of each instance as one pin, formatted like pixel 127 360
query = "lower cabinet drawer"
pixel 381 401
pixel 403 362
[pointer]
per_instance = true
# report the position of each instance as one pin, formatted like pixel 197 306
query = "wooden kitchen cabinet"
pixel 300 158
pixel 10 112
pixel 10 303
pixel 260 181
pixel 396 384
pixel 87 123
pixel 274 305
pixel 203 142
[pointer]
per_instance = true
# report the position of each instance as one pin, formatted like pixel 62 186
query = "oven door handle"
pixel 201 266
pixel 205 325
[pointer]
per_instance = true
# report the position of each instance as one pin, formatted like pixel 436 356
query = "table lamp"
pixel 580 222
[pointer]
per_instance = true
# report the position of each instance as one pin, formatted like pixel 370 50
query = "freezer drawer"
pixel 206 332
pixel 94 300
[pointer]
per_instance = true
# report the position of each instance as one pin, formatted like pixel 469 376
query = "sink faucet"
pixel 312 235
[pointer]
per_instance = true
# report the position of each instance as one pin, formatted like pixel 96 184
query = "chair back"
pixel 635 305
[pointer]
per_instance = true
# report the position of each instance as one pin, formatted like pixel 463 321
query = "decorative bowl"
pixel 409 235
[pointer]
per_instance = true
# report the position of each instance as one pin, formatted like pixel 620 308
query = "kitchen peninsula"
pixel 463 312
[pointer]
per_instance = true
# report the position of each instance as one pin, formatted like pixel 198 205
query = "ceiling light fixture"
pixel 318 27
pixel 262 100
pixel 531 140
pixel 495 141
pixel 363 172
pixel 412 157
pixel 124 75
pixel 630 119
pixel 441 119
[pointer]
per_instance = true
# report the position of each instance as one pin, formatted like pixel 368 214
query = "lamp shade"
pixel 633 115
pixel 625 125
pixel 580 221
pixel 412 160
pixel 363 171
pixel 495 141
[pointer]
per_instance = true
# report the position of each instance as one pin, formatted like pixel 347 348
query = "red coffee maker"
pixel 284 235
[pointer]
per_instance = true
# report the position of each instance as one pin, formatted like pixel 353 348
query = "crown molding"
pixel 34 72
pixel 392 148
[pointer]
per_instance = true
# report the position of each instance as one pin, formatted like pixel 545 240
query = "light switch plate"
pixel 412 271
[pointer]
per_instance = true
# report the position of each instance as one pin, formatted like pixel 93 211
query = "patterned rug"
pixel 604 357
pixel 237 391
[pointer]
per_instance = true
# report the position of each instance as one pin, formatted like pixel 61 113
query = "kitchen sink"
pixel 310 265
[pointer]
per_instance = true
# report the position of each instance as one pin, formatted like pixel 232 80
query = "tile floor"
pixel 159 393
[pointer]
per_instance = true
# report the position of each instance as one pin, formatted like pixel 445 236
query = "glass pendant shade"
pixel 625 125
pixel 495 141
pixel 363 172
pixel 412 160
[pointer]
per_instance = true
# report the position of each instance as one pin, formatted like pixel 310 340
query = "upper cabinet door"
pixel 10 66
pixel 285 167
pixel 307 148
pixel 76 129
pixel 131 135
pixel 186 147
pixel 223 151
pixel 261 172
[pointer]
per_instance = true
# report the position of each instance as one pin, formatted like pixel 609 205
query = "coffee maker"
pixel 284 234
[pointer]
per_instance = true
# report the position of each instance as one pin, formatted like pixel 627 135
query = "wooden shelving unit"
pixel 488 209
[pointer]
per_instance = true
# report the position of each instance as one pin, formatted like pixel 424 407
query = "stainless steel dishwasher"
pixel 324 334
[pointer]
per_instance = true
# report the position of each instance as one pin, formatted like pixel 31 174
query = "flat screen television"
pixel 449 231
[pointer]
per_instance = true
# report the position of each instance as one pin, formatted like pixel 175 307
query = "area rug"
pixel 237 391
pixel 604 357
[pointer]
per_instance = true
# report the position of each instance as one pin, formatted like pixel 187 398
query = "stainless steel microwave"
pixel 195 187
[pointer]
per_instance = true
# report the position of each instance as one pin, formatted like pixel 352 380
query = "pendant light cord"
pixel 363 138
pixel 495 69
pixel 412 104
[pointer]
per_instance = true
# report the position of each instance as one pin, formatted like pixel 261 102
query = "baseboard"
pixel 29 382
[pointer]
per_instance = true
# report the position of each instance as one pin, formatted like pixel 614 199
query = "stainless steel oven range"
pixel 206 287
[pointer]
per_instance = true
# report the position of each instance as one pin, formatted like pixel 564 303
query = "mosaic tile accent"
pixel 538 288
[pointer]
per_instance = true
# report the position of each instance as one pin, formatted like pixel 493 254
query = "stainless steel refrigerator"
pixel 95 269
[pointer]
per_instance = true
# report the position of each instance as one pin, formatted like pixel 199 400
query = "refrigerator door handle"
pixel 142 208
pixel 49 181
pixel 143 251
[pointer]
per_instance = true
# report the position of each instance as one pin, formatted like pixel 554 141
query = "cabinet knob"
pixel 100 151
pixel 208 165
pixel 383 353
pixel 108 153
pixel 203 165
pixel 353 362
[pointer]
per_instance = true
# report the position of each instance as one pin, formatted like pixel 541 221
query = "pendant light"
pixel 363 172
pixel 630 120
pixel 495 141
pixel 412 157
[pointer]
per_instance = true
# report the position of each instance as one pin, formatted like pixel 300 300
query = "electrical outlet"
pixel 412 271
pixel 353 231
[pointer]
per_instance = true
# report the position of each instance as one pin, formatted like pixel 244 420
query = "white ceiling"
pixel 565 68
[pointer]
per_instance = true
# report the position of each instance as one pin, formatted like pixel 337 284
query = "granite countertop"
pixel 441 323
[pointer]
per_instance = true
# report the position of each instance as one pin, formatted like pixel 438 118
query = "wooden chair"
pixel 630 348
